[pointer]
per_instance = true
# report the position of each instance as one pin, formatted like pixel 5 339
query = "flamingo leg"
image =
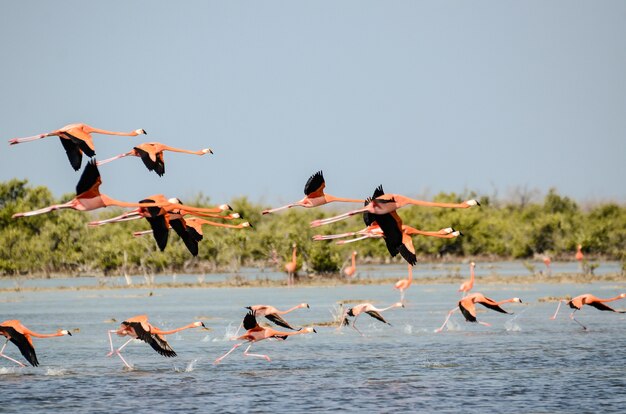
pixel 26 139
pixel 43 210
pixel 484 323
pixel 574 319
pixel 557 310
pixel 9 358
pixel 218 360
pixel 112 159
pixel 353 240
pixel 447 319
pixel 402 295
pixel 354 325
pixel 267 358
pixel 273 210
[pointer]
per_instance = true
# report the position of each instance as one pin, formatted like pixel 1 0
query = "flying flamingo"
pixel 88 197
pixel 76 140
pixel 272 314
pixel 196 224
pixel 138 327
pixel 404 284
pixel 255 333
pixel 386 203
pixel 20 335
pixel 468 307
pixel 291 267
pixel 468 285
pixel 151 153
pixel 588 299
pixel 314 195
pixel 351 270
pixel 371 310
pixel 374 231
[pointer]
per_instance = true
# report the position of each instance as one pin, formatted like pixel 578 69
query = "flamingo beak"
pixel 307 306
pixel 69 333
pixel 314 330
pixel 203 325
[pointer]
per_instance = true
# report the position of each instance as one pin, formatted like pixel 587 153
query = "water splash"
pixel 5 370
pixel 191 366
pixel 511 325
pixel 56 372
pixel 229 333
pixel 408 329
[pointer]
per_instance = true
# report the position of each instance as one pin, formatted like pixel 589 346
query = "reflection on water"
pixel 523 363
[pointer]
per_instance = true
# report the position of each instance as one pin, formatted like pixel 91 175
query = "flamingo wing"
pixel 74 154
pixel 80 143
pixel 601 306
pixel 89 180
pixel 494 307
pixel 249 321
pixel 157 221
pixel 374 314
pixel 314 186
pixel 181 229
pixel 157 166
pixel 278 320
pixel 468 310
pixel 23 343
pixel 157 342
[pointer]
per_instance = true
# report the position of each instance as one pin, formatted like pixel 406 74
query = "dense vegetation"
pixel 61 242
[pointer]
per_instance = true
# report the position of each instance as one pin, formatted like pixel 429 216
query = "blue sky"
pixel 421 97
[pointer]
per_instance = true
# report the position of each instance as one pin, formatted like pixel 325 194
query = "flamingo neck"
pixel 38 335
pixel 353 260
pixel 618 297
pixel 330 199
pixel 293 256
pixel 288 310
pixel 161 332
pixel 504 301
pixel 395 305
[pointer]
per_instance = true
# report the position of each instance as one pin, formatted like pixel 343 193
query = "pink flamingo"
pixel 468 308
pixel 76 140
pixel 468 285
pixel 369 309
pixel 138 327
pixel 404 284
pixel 383 203
pixel 20 335
pixel 351 270
pixel 272 314
pixel 151 153
pixel 291 267
pixel 255 333
pixel 314 195
pixel 588 299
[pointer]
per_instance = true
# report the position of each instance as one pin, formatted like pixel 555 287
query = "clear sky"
pixel 420 96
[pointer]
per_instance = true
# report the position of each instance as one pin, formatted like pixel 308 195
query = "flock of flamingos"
pixel 379 215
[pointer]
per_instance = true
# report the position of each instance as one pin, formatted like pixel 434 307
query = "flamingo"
pixel 194 224
pixel 272 314
pixel 468 285
pixel 151 153
pixel 387 203
pixel 351 270
pixel 76 140
pixel 371 310
pixel 291 267
pixel 314 195
pixel 547 261
pixel 374 231
pixel 88 197
pixel 138 327
pixel 588 299
pixel 468 307
pixel 255 333
pixel 20 335
pixel 404 284
pixel 580 256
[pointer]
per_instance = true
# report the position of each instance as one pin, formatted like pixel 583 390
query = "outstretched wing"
pixel 249 321
pixel 496 308
pixel 278 320
pixel 377 315
pixel 80 144
pixel 181 229
pixel 157 342
pixel 468 313
pixel 601 306
pixel 157 166
pixel 74 154
pixel 160 232
pixel 314 186
pixel 23 344
pixel 89 179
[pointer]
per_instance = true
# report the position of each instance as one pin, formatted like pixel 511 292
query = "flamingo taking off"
pixel 88 197
pixel 138 327
pixel 255 333
pixel 469 284
pixel 291 267
pixel 151 153
pixel 371 310
pixel 467 306
pixel 351 270
pixel 382 203
pixel 404 284
pixel 588 299
pixel 314 195
pixel 76 140
pixel 20 335
pixel 273 315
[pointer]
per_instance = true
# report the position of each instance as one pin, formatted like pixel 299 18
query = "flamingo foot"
pixel 13 141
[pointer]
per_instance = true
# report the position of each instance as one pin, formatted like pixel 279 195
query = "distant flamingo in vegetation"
pixel 255 333
pixel 468 307
pixel 547 261
pixel 588 299
pixel 351 270
pixel 383 203
pixel 468 285
pixel 314 195
pixel 151 153
pixel 291 267
pixel 138 327
pixel 76 140
pixel 20 335
pixel 404 284
pixel 369 309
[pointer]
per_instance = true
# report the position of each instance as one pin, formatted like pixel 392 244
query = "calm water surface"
pixel 523 363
